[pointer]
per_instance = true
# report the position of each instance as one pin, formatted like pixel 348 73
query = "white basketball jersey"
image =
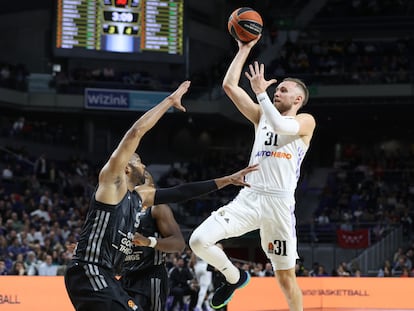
pixel 279 158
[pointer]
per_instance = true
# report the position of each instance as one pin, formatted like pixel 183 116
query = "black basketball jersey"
pixel 144 257
pixel 106 236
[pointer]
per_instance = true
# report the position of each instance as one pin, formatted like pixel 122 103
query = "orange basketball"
pixel 245 24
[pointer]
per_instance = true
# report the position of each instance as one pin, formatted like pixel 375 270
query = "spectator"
pixel 15 248
pixel 18 268
pixel 7 173
pixel 385 270
pixel 16 222
pixel 268 270
pixel 47 267
pixel 181 285
pixel 3 268
pixel 340 271
pixel 322 271
pixel 402 262
pixel 204 279
pixel 41 212
pixel 32 263
pixel 40 167
pixel 18 126
pixel 46 200
pixel 357 273
pixel 405 273
pixel 255 269
pixel 322 219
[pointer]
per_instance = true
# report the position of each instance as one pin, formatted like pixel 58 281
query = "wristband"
pixel 153 241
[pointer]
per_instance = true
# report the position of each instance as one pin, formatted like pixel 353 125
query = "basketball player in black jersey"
pixel 113 216
pixel 144 274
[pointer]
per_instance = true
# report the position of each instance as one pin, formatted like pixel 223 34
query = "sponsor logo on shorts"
pixel 132 305
pixel 277 247
pixel 270 248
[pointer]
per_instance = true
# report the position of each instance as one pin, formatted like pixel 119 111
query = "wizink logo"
pixel 106 99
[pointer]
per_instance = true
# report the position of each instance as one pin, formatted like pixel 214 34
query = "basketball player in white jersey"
pixel 282 137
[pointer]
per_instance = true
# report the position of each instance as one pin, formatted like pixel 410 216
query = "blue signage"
pixel 122 99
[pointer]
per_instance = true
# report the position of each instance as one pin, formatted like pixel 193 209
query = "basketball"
pixel 245 24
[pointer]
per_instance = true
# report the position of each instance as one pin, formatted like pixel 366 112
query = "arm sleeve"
pixel 184 192
pixel 279 123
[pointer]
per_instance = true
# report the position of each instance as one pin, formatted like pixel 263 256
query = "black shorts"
pixel 92 288
pixel 148 287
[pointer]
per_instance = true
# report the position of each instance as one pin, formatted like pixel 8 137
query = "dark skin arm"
pixel 113 181
pixel 147 191
pixel 172 239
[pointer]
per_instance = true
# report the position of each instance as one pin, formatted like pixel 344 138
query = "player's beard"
pixel 283 107
pixel 137 176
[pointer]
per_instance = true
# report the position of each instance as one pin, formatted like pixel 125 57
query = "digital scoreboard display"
pixel 144 30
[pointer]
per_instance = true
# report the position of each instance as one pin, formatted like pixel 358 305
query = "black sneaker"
pixel 224 293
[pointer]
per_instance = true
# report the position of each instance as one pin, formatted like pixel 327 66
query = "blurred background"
pixel 74 75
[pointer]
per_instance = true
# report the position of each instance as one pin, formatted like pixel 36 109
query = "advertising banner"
pixel 353 239
pixel 127 100
pixel 34 293
pixel 263 293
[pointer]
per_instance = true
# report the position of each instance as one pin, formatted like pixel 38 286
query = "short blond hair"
pixel 303 88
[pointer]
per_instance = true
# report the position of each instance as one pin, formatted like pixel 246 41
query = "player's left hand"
pixel 256 77
pixel 178 94
pixel 237 178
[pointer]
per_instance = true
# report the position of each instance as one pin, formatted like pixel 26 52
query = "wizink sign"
pixel 105 99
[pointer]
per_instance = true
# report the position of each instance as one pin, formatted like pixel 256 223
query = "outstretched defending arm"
pixel 191 190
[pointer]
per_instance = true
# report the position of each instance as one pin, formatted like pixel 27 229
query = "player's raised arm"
pixel 112 177
pixel 231 87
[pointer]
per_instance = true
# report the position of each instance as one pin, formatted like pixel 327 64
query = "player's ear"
pixel 299 100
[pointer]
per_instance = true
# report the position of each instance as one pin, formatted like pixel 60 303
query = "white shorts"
pixel 274 216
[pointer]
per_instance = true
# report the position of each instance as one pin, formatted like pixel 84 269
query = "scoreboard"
pixel 147 30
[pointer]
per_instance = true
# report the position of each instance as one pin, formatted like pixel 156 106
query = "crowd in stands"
pixel 369 188
pixel 358 8
pixel 316 62
pixel 346 61
pixel 53 132
pixel 42 206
